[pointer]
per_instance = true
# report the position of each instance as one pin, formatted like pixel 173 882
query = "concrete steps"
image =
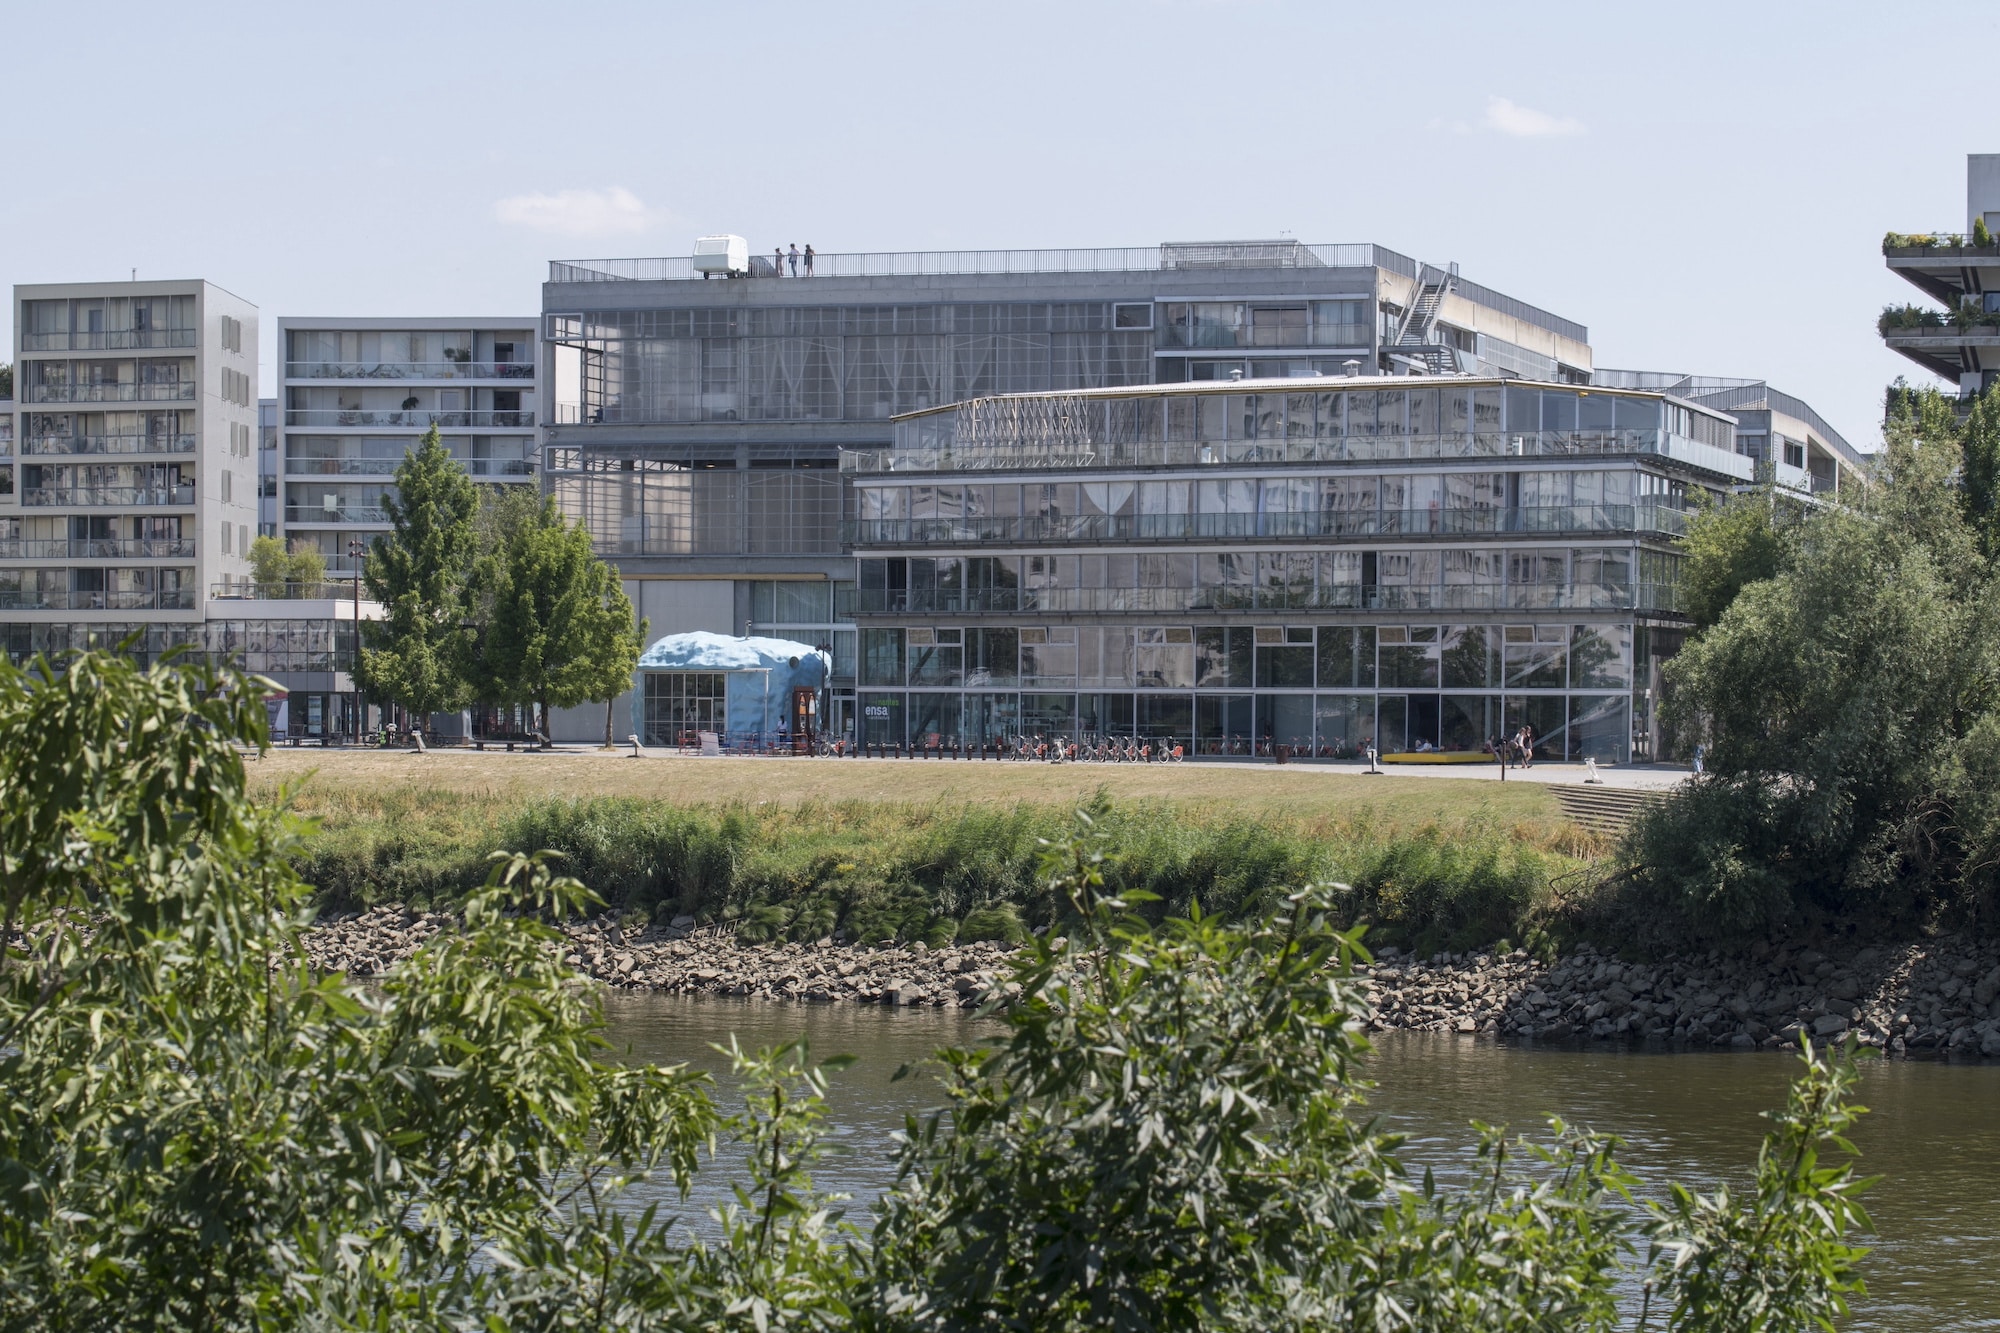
pixel 1602 810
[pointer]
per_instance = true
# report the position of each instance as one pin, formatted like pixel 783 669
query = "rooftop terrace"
pixel 1171 257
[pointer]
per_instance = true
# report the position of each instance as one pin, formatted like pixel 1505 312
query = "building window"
pixel 1795 454
pixel 680 704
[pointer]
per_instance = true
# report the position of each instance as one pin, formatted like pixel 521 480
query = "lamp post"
pixel 355 550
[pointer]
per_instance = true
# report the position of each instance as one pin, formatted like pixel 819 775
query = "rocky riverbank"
pixel 1937 996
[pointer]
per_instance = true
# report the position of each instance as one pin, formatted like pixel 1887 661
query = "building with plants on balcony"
pixel 359 393
pixel 1955 335
pixel 1417 563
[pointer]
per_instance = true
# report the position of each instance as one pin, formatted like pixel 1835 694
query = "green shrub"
pixel 1000 923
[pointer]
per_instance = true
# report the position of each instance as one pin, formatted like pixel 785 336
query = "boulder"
pixel 1829 1025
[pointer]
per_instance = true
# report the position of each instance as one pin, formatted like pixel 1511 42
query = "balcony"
pixel 316 515
pixel 386 467
pixel 1314 525
pixel 109 340
pixel 107 495
pixel 282 592
pixel 93 548
pixel 176 599
pixel 177 392
pixel 59 445
pixel 409 370
pixel 1344 597
pixel 415 418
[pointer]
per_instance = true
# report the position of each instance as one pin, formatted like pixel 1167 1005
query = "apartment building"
pixel 267 467
pixel 359 393
pixel 1958 338
pixel 135 492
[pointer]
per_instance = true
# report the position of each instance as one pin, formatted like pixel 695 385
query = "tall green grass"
pixel 875 871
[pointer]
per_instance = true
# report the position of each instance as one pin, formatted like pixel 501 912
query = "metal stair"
pixel 1416 337
pixel 1606 811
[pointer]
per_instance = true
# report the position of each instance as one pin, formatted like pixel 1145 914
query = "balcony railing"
pixel 176 599
pixel 418 417
pixel 283 592
pixel 98 548
pixel 109 340
pixel 346 513
pixel 108 495
pixel 409 370
pixel 179 391
pixel 1311 524
pixel 1174 601
pixel 107 444
pixel 386 467
pixel 1086 454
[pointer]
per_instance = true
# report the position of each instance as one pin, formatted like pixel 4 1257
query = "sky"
pixel 1704 185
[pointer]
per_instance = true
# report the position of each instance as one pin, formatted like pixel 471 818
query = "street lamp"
pixel 355 550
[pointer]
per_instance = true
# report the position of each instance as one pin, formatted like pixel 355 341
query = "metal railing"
pixel 178 391
pixel 1345 597
pixel 328 589
pixel 386 467
pixel 98 548
pixel 1313 524
pixel 313 416
pixel 107 444
pixel 108 495
pixel 311 514
pixel 177 599
pixel 409 370
pixel 109 340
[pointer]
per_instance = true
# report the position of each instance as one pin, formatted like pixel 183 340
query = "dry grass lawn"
pixel 1293 794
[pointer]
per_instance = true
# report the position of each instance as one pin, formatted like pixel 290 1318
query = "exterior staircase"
pixel 1602 810
pixel 1416 337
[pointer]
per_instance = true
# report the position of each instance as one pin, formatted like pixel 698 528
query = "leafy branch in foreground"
pixel 1166 1132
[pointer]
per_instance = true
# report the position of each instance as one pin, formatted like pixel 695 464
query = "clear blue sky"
pixel 1704 185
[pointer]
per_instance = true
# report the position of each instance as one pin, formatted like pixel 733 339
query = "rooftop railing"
pixel 325 590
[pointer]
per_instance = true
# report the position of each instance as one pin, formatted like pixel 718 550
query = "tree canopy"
pixel 418 654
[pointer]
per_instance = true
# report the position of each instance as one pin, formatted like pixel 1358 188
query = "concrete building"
pixel 697 426
pixel 359 393
pixel 137 492
pixel 267 467
pixel 1793 445
pixel 1960 270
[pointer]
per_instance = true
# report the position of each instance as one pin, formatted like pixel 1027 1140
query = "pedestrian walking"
pixel 794 257
pixel 809 259
pixel 1700 758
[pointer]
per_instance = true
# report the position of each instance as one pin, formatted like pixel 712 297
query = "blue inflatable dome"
pixel 738 688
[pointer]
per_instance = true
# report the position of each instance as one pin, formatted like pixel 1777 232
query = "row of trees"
pixel 1164 1129
pixel 1845 676
pixel 490 597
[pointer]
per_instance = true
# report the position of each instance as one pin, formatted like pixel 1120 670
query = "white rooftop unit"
pixel 727 255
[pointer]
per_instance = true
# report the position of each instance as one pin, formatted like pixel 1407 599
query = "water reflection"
pixel 1693 1116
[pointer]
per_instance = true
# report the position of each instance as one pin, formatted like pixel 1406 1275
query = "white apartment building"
pixel 133 492
pixel 359 393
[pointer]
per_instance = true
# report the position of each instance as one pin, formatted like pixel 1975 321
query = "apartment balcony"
pixel 323 591
pixel 503 468
pixel 409 370
pixel 110 340
pixel 91 548
pixel 1344 597
pixel 320 515
pixel 1310 525
pixel 1945 349
pixel 99 496
pixel 177 599
pixel 177 392
pixel 61 445
pixel 418 419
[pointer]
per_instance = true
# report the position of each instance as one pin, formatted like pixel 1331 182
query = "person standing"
pixel 794 257
pixel 777 261
pixel 1700 758
pixel 809 259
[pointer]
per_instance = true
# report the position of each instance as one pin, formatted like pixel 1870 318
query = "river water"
pixel 1932 1134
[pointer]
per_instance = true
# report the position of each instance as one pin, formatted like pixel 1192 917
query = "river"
pixel 1932 1133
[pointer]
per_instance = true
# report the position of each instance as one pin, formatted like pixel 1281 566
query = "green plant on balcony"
pixel 1981 233
pixel 1896 317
